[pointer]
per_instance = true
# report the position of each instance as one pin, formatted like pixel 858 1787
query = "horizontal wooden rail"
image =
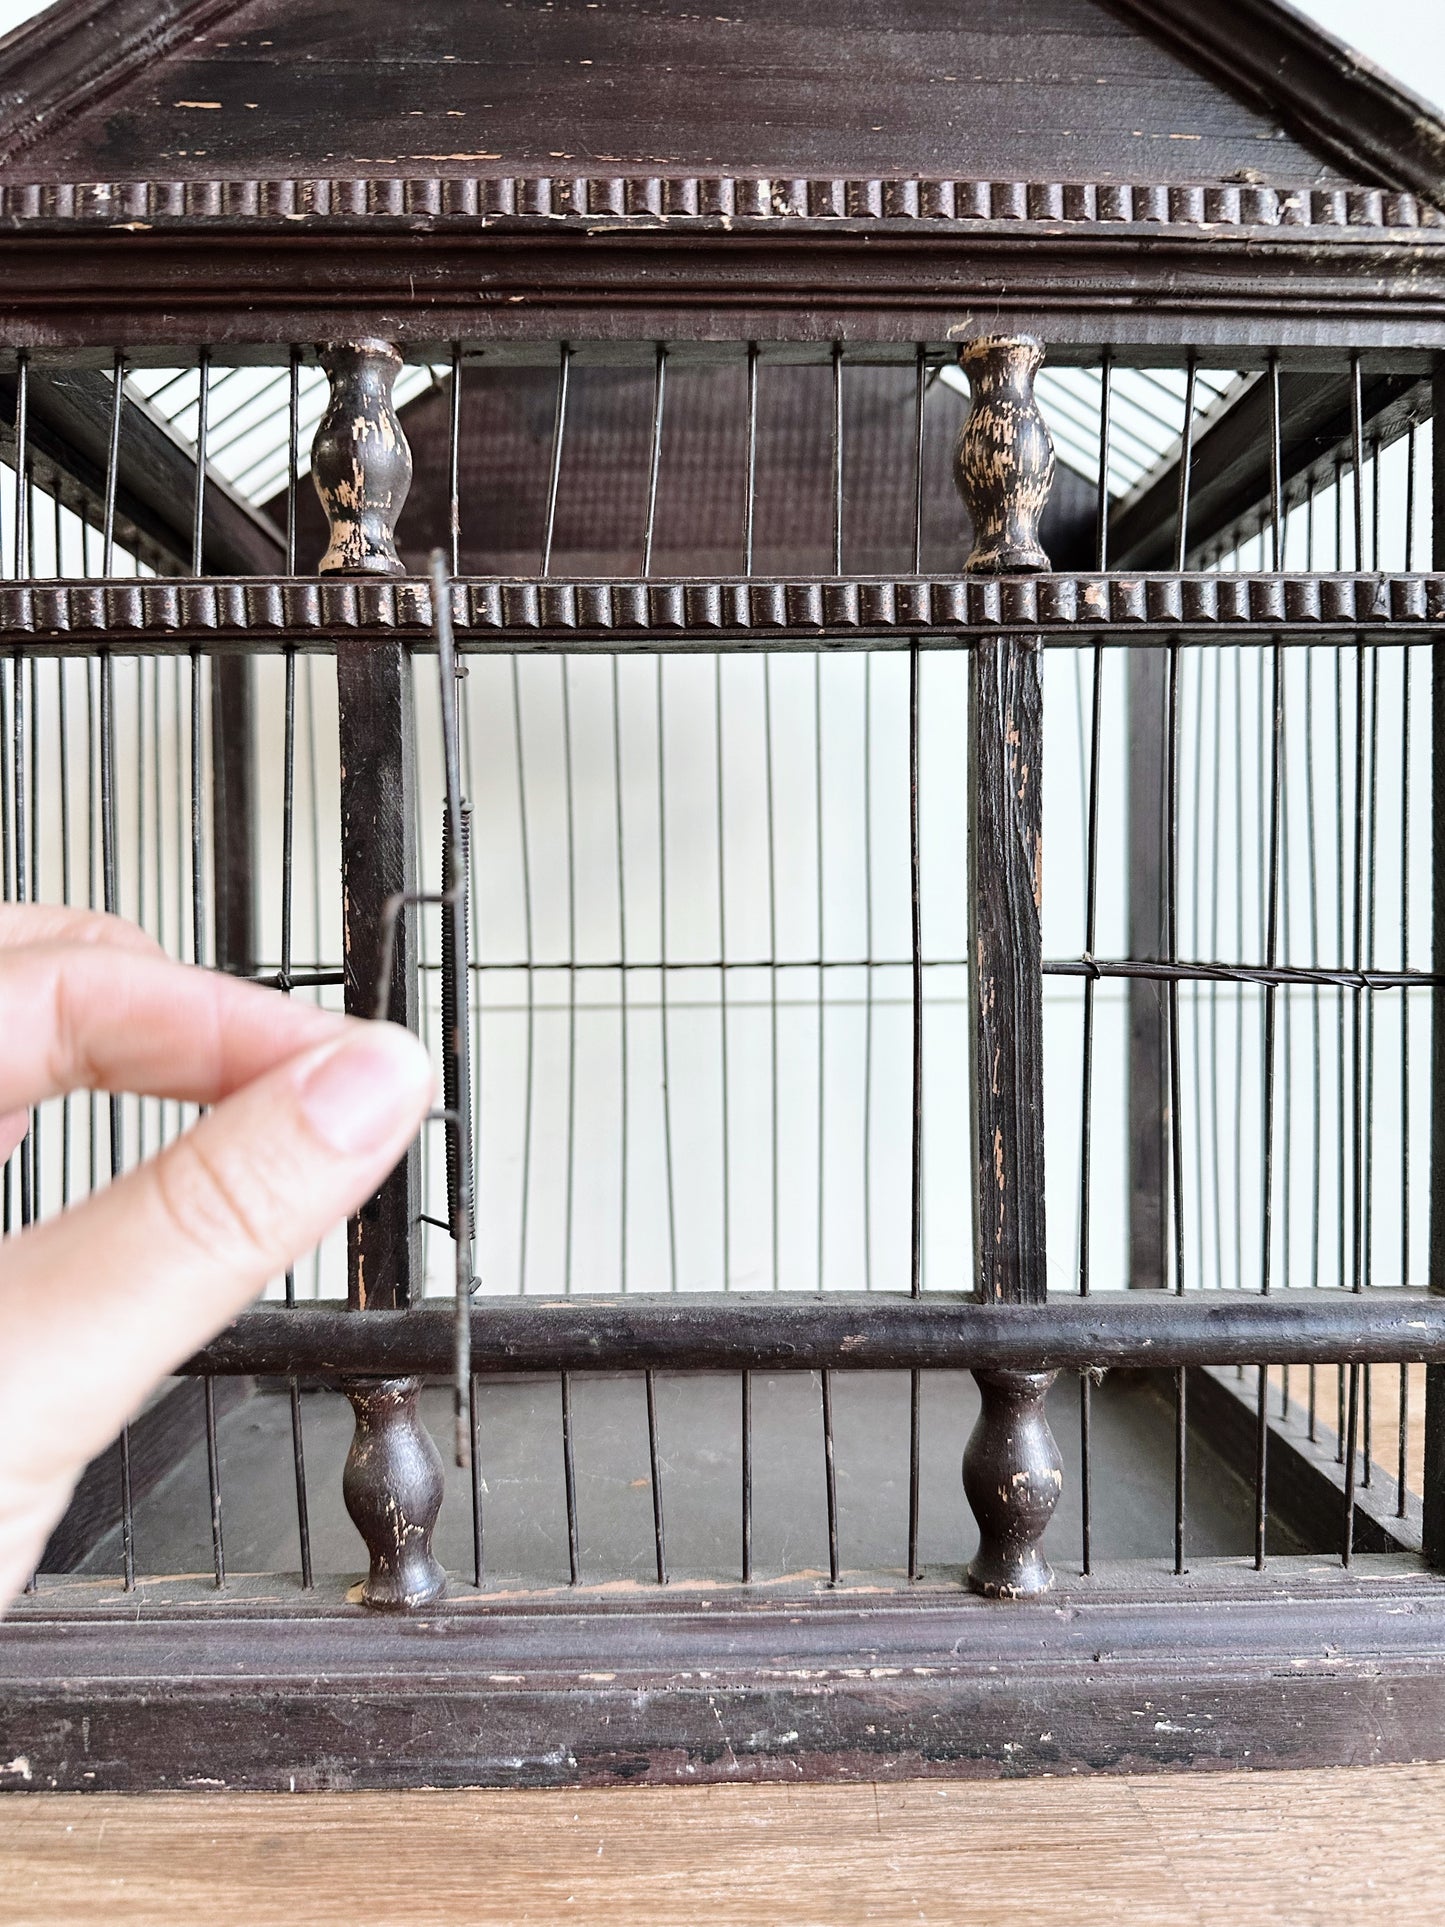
pixel 728 613
pixel 807 1332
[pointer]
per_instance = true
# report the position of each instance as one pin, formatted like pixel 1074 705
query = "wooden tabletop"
pixel 1182 1850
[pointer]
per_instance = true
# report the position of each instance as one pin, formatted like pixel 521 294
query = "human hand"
pixel 311 1112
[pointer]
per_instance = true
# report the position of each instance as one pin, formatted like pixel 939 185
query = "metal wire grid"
pixel 1327 838
pixel 249 413
pixel 20 850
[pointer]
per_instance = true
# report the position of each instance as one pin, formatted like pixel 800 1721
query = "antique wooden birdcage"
pixel 929 663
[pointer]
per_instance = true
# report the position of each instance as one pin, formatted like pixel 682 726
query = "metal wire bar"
pixel 454 445
pixel 622 1018
pixel 293 455
pixel 569 1475
pixel 1405 679
pixel 750 477
pixel 22 464
pixel 526 854
pixel 1298 974
pixel 662 978
pixel 822 952
pixel 198 512
pixel 478 1514
pixel 1271 950
pixel 1091 911
pixel 654 463
pixel 654 1454
pixel 569 794
pixel 915 927
pixel 457 1039
pixel 747 1469
pixel 1350 1430
pixel 830 1472
pixel 722 929
pixel 1171 909
pixel 554 473
pixel 837 492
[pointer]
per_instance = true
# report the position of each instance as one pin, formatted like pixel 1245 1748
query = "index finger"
pixel 22 923
pixel 98 1017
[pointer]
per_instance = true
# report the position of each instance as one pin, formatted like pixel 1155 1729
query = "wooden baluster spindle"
pixel 361 466
pixel 393 1490
pixel 1004 463
pixel 1011 1469
pixel 360 461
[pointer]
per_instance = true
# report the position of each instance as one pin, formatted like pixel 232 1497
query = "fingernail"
pixel 365 1090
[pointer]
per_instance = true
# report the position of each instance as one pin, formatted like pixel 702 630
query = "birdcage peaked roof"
pixel 198 110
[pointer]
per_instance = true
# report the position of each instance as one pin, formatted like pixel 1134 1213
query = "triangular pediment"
pixel 1023 90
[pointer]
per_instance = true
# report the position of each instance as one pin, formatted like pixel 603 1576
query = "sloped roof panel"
pixel 1028 90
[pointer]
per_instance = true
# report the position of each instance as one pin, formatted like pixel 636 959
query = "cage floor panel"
pixel 700 1453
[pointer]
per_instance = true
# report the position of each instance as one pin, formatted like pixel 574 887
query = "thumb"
pixel 97 1305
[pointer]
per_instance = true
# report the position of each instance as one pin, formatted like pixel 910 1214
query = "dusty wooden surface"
pixel 1336 1847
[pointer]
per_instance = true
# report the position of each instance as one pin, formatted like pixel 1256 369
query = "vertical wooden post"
pixel 1433 1536
pixel 361 467
pixel 1148 937
pixel 392 1485
pixel 233 811
pixel 1005 465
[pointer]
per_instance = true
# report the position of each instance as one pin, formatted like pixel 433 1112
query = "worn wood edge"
pixel 63 1599
pixel 1336 101
pixel 849 1331
pixel 973 1689
pixel 1226 291
pixel 660 614
pixel 771 201
pixel 66 57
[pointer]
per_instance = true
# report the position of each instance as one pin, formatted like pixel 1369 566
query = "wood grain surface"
pixel 1336 1847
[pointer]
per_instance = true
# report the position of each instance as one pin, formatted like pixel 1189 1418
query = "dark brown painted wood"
pixel 1331 98
pixel 234 812
pixel 1290 1669
pixel 392 1485
pixel 622 614
pixel 1065 86
pixel 360 462
pixel 1005 460
pixel 378 792
pixel 1005 466
pixel 1182 288
pixel 70 55
pixel 1147 940
pixel 1005 873
pixel 883 1330
pixel 1012 1477
pixel 362 466
pixel 1228 292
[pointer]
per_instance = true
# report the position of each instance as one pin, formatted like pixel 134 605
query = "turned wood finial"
pixel 360 461
pixel 1012 1475
pixel 393 1490
pixel 1004 463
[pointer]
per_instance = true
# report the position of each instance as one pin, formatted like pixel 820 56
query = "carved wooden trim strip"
pixel 837 611
pixel 645 200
